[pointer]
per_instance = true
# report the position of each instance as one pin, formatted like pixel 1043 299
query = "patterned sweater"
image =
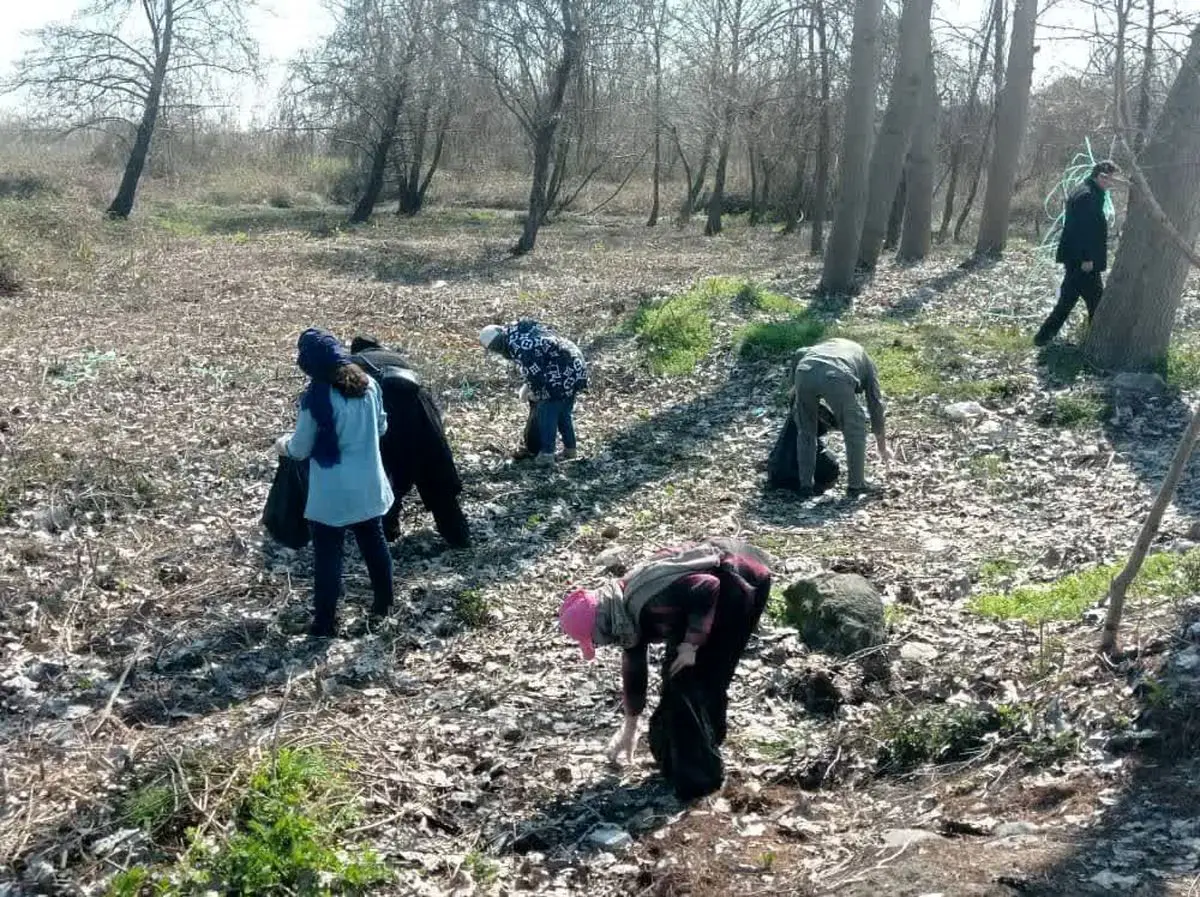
pixel 552 365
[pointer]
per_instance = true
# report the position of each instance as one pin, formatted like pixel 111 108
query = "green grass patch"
pixel 995 570
pixel 1078 410
pixel 779 339
pixel 151 807
pixel 471 608
pixel 1164 575
pixel 675 334
pixel 989 467
pixel 947 734
pixel 1182 367
pixel 285 837
pixel 915 360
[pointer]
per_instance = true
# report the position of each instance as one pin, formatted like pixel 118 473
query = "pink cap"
pixel 577 617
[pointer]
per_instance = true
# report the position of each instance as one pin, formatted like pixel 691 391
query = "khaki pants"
pixel 816 381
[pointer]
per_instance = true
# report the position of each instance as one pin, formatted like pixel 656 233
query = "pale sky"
pixel 285 26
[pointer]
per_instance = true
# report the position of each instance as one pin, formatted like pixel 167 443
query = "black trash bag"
pixel 533 434
pixel 682 739
pixel 783 465
pixel 283 516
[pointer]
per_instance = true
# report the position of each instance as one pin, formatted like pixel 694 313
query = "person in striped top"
pixel 702 600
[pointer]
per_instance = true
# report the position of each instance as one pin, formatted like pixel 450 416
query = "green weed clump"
pixel 285 837
pixel 779 339
pixel 676 333
pixel 1078 410
pixel 1165 575
pixel 1182 367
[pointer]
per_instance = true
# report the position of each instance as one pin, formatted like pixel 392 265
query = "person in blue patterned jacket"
pixel 554 372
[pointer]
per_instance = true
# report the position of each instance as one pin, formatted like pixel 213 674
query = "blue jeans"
pixel 556 416
pixel 328 544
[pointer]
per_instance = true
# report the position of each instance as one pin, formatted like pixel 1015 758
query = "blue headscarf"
pixel 320 355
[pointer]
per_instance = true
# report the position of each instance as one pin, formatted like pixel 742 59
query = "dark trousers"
pixel 738 611
pixel 448 516
pixel 1077 284
pixel 328 545
pixel 554 417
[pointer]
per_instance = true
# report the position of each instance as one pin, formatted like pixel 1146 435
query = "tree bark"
pixel 917 235
pixel 895 133
pixel 1132 328
pixel 837 276
pixel 545 128
pixel 656 178
pixel 1147 78
pixel 820 198
pixel 379 159
pixel 896 215
pixel 122 203
pixel 1010 133
pixel 958 151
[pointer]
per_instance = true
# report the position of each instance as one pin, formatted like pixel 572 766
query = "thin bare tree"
pixel 116 60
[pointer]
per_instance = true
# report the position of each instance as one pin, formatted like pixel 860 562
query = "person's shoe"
pixel 864 489
pixel 569 454
pixel 379 611
pixel 805 492
pixel 545 459
pixel 522 454
pixel 322 630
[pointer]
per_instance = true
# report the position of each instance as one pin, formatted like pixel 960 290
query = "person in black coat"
pixel 1082 250
pixel 414 448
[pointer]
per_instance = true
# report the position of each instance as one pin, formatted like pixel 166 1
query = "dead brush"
pixel 10 278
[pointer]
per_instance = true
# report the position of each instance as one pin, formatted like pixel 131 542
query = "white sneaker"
pixel 569 454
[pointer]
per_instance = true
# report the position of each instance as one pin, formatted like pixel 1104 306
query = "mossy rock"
pixel 836 613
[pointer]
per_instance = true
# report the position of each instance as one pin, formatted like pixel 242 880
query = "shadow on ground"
pixel 636 808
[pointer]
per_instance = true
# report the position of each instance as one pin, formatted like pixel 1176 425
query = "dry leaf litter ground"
pixel 149 634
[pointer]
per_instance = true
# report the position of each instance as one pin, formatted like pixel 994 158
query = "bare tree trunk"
pixel 694 184
pixel 824 136
pixel 122 203
pixel 754 208
pixel 1144 83
pixel 958 151
pixel 1132 328
pixel 837 276
pixel 895 133
pixel 976 177
pixel 657 175
pixel 1010 133
pixel 545 128
pixel 918 213
pixel 712 226
pixel 896 215
pixel 1120 585
pixel 379 159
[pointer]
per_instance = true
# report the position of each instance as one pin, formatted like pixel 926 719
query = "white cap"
pixel 488 334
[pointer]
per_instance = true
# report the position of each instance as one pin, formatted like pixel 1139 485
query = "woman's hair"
pixel 351 381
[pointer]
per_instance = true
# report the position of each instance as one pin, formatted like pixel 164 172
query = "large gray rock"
pixel 838 613
pixel 1138 383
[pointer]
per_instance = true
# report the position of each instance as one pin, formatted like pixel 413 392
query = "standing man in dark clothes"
pixel 415 451
pixel 1082 250
pixel 836 371
pixel 703 600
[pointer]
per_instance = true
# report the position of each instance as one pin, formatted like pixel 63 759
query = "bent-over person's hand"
pixel 685 656
pixel 1086 267
pixel 621 746
pixel 281 445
